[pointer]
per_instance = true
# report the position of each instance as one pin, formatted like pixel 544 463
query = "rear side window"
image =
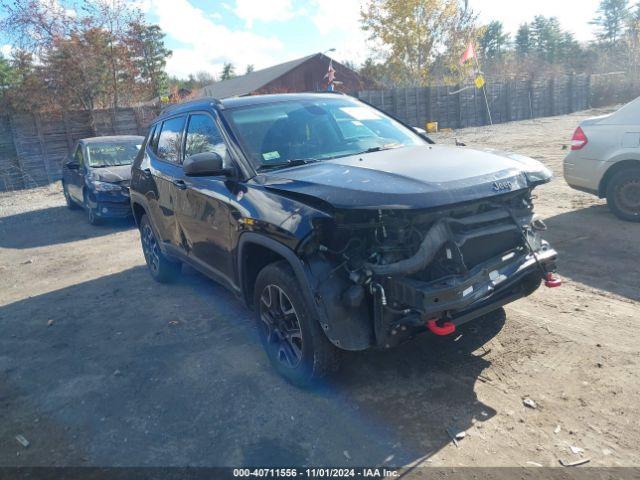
pixel 169 140
pixel 203 136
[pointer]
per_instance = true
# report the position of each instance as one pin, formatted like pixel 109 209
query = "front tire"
pixel 289 328
pixel 92 214
pixel 71 205
pixel 623 194
pixel 160 267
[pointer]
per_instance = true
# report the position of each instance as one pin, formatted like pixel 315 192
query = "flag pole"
pixel 484 89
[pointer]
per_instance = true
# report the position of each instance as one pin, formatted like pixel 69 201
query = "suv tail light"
pixel 579 139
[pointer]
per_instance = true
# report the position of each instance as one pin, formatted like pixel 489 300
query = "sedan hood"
pixel 115 174
pixel 409 177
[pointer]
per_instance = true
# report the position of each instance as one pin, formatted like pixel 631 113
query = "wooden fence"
pixel 33 147
pixel 453 107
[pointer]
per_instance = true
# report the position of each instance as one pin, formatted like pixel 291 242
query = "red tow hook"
pixel 551 280
pixel 447 328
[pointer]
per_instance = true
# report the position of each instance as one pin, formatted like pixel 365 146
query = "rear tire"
pixel 289 328
pixel 160 267
pixel 623 194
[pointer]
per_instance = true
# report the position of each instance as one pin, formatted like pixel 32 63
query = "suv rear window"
pixel 169 140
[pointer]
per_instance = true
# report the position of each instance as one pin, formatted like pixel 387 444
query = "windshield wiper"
pixel 368 150
pixel 379 148
pixel 289 163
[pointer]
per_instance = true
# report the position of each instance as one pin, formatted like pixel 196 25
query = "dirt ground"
pixel 101 366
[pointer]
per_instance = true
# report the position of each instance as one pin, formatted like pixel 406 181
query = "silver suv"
pixel 605 160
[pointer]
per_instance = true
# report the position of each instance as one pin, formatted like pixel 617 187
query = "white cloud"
pixel 205 44
pixel 339 22
pixel 264 11
pixel 6 50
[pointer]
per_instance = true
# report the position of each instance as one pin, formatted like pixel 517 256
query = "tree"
pixel 375 73
pixel 412 33
pixel 250 69
pixel 494 42
pixel 114 18
pixel 611 19
pixel 546 36
pixel 95 54
pixel 28 89
pixel 228 71
pixel 32 25
pixel 79 70
pixel 149 55
pixel 523 41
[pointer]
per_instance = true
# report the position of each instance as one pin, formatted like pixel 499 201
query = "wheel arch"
pixel 611 171
pixel 138 212
pixel 255 252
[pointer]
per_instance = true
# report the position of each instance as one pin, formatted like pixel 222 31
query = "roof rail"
pixel 170 108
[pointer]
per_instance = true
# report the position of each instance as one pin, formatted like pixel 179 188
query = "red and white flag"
pixel 331 73
pixel 468 54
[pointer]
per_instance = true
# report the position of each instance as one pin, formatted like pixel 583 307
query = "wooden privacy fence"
pixel 33 147
pixel 508 101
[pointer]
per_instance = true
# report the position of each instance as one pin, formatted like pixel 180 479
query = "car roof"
pixel 112 139
pixel 207 103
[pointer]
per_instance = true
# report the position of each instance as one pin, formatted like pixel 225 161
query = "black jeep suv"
pixel 342 227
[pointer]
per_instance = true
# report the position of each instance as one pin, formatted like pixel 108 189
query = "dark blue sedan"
pixel 97 176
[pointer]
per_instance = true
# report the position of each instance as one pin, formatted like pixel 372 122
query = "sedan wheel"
pixel 623 194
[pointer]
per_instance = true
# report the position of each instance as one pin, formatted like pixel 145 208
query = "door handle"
pixel 180 184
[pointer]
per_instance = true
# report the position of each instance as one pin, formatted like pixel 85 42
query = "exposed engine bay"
pixel 403 268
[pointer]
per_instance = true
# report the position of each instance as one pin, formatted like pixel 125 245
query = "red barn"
pixel 305 74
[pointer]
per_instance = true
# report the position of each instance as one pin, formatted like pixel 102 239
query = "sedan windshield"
pixel 112 154
pixel 301 131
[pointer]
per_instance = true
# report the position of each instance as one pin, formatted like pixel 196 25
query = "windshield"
pixel 306 130
pixel 112 154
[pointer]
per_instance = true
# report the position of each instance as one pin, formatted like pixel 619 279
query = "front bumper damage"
pixel 377 285
pixel 113 204
pixel 485 288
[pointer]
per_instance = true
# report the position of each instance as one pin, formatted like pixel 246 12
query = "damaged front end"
pixel 383 276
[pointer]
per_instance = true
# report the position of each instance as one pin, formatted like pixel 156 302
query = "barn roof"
pixel 246 84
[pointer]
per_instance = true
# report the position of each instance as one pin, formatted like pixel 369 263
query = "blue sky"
pixel 204 34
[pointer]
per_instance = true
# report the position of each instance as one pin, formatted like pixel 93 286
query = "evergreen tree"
pixel 523 40
pixel 611 21
pixel 149 54
pixel 494 41
pixel 228 71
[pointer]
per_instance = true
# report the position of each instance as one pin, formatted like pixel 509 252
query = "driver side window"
pixel 203 136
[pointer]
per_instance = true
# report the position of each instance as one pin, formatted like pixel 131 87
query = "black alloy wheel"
pixel 280 326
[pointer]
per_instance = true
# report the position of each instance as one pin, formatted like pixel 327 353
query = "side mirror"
pixel 205 164
pixel 71 165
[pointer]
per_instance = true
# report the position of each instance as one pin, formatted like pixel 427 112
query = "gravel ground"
pixel 101 366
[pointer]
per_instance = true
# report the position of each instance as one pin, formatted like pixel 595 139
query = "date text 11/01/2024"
pixel 316 472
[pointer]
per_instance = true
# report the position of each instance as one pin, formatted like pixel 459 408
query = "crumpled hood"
pixel 112 174
pixel 410 177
